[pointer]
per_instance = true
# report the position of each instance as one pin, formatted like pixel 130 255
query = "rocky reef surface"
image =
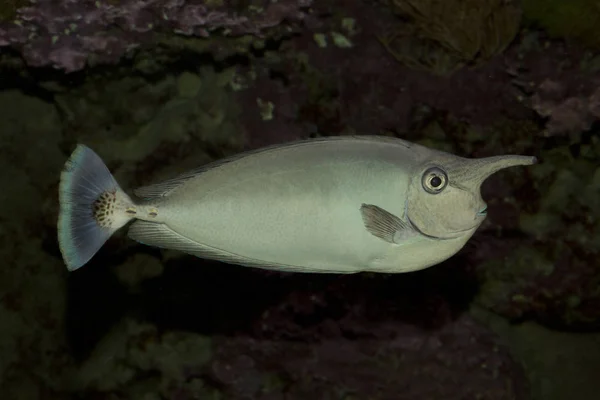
pixel 160 86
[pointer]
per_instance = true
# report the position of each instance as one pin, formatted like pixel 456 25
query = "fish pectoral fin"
pixel 385 225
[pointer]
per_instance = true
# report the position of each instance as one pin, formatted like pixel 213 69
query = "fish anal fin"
pixel 385 225
pixel 160 235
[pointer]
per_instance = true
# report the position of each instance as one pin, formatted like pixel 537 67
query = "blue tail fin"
pixel 92 207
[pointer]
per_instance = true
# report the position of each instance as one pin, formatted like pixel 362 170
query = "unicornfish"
pixel 341 204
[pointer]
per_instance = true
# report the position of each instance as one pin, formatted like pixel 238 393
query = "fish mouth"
pixel 482 212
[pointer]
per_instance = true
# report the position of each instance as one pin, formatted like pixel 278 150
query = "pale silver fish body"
pixel 337 205
pixel 299 207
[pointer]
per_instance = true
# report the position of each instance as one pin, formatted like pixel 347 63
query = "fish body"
pixel 337 205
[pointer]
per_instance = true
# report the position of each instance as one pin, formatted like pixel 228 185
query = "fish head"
pixel 444 196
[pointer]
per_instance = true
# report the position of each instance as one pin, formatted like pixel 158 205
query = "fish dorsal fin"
pixel 165 188
pixel 385 225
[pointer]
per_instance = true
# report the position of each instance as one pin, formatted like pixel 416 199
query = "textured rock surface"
pixel 70 34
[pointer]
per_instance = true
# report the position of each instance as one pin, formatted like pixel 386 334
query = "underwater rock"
pixel 152 122
pixel 300 336
pixel 401 366
pixel 70 34
pixel 541 263
pixel 559 80
pixel 567 115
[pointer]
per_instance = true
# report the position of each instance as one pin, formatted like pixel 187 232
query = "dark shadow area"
pixel 96 300
pixel 209 297
pixel 218 299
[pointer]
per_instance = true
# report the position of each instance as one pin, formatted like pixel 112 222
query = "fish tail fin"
pixel 92 207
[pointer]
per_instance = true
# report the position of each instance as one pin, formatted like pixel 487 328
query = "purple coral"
pixel 67 34
pixel 567 114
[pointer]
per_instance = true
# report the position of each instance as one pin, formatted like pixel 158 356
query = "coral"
pixel 69 34
pixel 444 35
pixel 574 19
pixel 567 115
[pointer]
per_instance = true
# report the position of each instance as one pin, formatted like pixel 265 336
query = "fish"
pixel 343 204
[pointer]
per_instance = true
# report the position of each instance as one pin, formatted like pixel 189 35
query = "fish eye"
pixel 434 180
